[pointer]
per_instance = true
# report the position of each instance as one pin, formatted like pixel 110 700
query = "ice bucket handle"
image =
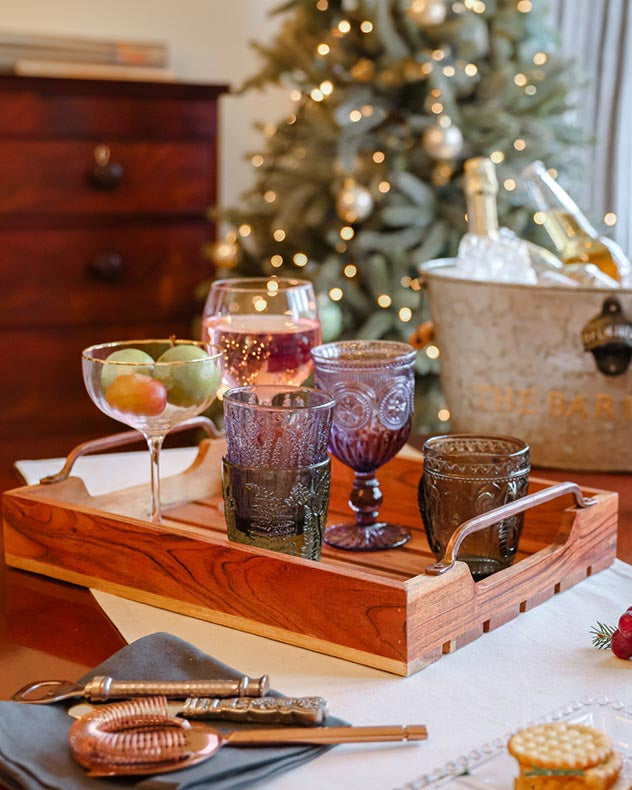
pixel 498 514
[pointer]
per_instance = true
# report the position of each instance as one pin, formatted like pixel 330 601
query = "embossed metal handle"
pixel 306 711
pixel 120 439
pixel 103 688
pixel 498 514
pixel 106 176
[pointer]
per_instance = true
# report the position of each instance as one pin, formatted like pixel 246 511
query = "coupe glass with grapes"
pixel 372 382
pixel 266 328
pixel 152 385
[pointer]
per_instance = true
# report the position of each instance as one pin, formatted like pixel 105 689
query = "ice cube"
pixel 503 258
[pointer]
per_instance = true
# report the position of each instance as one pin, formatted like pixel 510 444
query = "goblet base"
pixel 375 537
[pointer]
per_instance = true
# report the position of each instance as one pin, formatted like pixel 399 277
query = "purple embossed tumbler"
pixel 276 471
pixel 373 384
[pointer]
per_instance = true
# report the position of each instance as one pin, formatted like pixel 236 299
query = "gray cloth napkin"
pixel 34 751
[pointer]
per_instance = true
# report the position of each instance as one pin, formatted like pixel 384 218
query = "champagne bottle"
pixel 575 239
pixel 480 187
pixel 487 252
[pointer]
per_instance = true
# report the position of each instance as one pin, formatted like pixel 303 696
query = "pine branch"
pixel 602 635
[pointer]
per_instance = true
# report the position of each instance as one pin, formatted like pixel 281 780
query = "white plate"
pixel 491 767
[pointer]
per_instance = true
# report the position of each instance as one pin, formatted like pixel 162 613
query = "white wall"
pixel 208 41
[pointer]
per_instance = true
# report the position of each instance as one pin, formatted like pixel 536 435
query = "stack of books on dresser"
pixel 28 54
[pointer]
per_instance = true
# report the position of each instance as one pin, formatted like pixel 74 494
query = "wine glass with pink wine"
pixel 266 328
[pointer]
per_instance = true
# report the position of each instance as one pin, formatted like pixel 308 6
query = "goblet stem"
pixel 366 498
pixel 367 534
pixel 155 444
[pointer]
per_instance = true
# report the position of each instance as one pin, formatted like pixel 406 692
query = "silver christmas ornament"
pixel 354 203
pixel 427 12
pixel 443 142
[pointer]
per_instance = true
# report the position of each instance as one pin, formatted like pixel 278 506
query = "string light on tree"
pixel 355 202
pixel 225 254
pixel 427 12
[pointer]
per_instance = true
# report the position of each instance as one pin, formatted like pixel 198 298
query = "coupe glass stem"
pixel 155 444
pixel 366 498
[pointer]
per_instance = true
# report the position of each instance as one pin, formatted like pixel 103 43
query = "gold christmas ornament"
pixel 354 203
pixel 413 70
pixel 442 173
pixel 363 70
pixel 443 142
pixel 427 12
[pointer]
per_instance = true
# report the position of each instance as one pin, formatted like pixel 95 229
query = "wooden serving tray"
pixel 374 608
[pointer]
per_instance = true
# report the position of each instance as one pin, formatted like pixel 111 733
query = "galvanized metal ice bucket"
pixel 514 361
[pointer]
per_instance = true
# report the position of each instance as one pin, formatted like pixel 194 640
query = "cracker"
pixel 560 746
pixel 599 777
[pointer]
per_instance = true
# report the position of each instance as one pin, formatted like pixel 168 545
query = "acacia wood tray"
pixel 374 608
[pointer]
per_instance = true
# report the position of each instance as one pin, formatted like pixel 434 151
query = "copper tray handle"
pixel 120 439
pixel 498 514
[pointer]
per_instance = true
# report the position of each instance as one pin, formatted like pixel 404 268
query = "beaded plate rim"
pixel 443 777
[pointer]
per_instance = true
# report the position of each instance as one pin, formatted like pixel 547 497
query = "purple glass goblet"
pixel 373 384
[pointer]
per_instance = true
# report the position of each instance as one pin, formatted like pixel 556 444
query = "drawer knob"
pixel 106 268
pixel 105 175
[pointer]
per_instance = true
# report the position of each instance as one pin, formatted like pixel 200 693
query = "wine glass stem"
pixel 366 498
pixel 155 444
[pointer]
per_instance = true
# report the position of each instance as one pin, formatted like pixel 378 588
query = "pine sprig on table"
pixel 602 635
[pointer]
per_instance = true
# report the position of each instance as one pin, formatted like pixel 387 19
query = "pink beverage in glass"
pixel 263 349
pixel 266 328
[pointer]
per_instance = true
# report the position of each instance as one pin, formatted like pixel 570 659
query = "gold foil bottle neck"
pixel 481 187
pixel 480 176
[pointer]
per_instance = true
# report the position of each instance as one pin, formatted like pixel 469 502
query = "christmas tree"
pixel 362 181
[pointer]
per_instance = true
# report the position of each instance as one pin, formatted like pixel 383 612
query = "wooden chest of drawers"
pixel 104 193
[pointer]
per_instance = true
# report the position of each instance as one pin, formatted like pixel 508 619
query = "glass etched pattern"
pixel 463 477
pixel 276 473
pixel 277 426
pixel 373 385
pixel 277 509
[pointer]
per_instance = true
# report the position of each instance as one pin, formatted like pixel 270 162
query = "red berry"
pixel 620 645
pixel 625 624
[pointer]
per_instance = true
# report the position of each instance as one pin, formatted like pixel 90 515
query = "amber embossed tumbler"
pixel 464 476
pixel 276 472
pixel 373 384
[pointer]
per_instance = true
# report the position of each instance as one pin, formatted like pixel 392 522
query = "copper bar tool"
pixel 302 711
pixel 102 688
pixel 139 737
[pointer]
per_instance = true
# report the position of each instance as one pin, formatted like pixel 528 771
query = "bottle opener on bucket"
pixel 140 737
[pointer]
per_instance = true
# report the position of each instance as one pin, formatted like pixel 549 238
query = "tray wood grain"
pixel 374 608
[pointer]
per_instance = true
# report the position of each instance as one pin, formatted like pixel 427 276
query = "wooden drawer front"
pixel 158 178
pixel 34 107
pixel 66 277
pixel 42 380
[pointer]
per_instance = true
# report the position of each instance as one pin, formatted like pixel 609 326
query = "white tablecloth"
pixel 529 667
